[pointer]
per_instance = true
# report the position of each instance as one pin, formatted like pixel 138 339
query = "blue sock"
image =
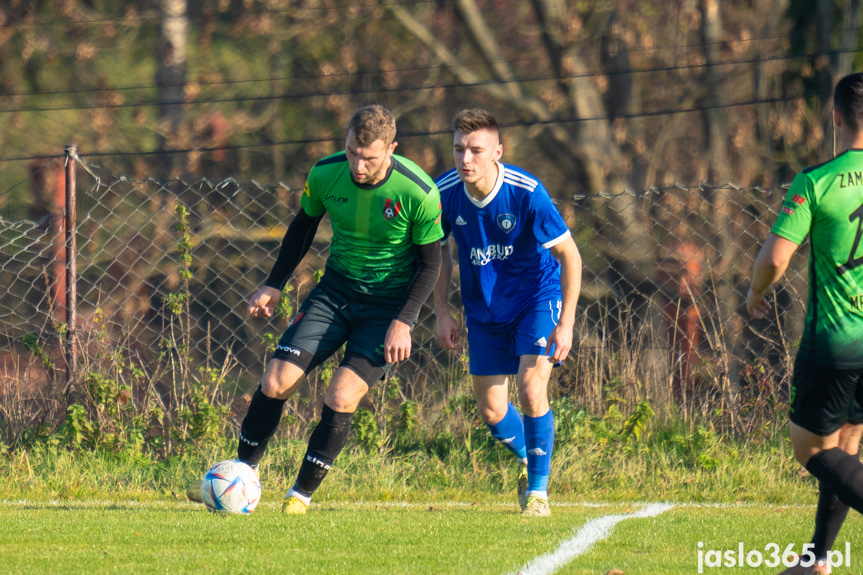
pixel 510 432
pixel 539 438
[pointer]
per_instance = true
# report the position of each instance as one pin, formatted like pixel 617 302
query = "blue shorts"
pixel 496 351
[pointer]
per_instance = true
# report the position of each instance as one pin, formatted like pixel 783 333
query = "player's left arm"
pixel 397 344
pixel 566 252
pixel 426 233
pixel 770 265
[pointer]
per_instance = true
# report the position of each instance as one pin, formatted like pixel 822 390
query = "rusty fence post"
pixel 71 158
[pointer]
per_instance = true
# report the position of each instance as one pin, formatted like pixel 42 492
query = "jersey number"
pixel 852 261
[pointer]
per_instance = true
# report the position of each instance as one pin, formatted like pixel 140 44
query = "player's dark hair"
pixel 473 120
pixel 848 100
pixel 372 123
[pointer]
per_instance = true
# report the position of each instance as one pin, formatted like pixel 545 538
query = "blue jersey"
pixel 503 244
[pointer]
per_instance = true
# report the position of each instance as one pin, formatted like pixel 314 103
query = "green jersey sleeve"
pixel 426 226
pixel 309 201
pixel 795 216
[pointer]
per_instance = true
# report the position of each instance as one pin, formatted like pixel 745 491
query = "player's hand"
pixel 447 331
pixel 561 338
pixel 757 304
pixel 397 343
pixel 264 302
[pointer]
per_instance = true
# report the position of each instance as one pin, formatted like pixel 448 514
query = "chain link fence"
pixel 166 268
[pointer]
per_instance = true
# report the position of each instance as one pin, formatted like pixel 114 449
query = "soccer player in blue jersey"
pixel 520 279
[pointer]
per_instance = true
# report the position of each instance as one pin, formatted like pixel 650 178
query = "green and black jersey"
pixel 825 202
pixel 374 227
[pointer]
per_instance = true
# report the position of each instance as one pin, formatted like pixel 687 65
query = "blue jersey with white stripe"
pixel 503 244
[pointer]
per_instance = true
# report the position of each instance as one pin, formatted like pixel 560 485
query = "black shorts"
pixel 823 398
pixel 331 316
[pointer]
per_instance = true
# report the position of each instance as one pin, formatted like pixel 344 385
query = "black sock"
pixel 258 427
pixel 327 441
pixel 828 520
pixel 840 473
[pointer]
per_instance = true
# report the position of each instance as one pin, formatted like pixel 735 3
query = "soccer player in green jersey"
pixel 825 204
pixel 383 263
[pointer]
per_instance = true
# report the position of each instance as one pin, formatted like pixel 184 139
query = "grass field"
pixel 415 512
pixel 173 536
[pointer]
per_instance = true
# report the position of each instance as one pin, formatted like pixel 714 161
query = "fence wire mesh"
pixel 166 269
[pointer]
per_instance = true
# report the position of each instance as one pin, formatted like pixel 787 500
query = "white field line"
pixel 593 531
pixel 173 503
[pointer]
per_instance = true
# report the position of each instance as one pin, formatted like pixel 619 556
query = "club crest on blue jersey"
pixel 506 222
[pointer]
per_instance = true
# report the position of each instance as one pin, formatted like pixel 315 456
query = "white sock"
pixel 307 499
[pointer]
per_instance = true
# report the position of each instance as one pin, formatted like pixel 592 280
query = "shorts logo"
pixel 289 349
pixel 459 221
pixel 506 222
pixel 391 210
pixel 541 342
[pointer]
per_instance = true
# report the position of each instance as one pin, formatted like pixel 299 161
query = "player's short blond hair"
pixel 473 120
pixel 371 123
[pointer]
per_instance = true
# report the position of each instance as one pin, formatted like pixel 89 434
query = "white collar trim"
pixel 491 195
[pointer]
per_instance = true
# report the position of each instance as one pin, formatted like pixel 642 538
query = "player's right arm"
pixel 446 326
pixel 770 266
pixel 791 228
pixel 295 245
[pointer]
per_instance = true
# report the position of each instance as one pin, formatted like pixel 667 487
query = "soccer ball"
pixel 231 487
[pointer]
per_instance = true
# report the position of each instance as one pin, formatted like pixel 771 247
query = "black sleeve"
pixel 423 281
pixel 298 240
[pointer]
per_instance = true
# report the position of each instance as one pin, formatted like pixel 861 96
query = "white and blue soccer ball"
pixel 231 486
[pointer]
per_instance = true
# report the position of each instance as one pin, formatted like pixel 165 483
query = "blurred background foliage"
pixel 595 95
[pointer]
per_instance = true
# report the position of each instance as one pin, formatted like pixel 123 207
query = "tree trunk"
pixel 276 128
pixel 850 37
pixel 825 65
pixel 171 82
pixel 711 36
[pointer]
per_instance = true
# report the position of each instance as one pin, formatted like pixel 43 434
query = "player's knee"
pixel 532 398
pixel 270 386
pixel 343 403
pixel 277 384
pixel 346 390
pixel 491 414
pixel 849 438
pixel 804 451
pixel 802 455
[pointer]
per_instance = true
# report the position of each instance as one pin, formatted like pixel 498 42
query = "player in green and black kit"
pixel 825 203
pixel 383 263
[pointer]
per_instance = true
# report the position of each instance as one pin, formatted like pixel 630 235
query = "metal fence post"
pixel 71 264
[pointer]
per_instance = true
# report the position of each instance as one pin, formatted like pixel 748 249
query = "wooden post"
pixel 71 264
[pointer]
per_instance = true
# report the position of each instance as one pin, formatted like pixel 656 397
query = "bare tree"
pixel 582 147
pixel 851 20
pixel 171 80
pixel 711 37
